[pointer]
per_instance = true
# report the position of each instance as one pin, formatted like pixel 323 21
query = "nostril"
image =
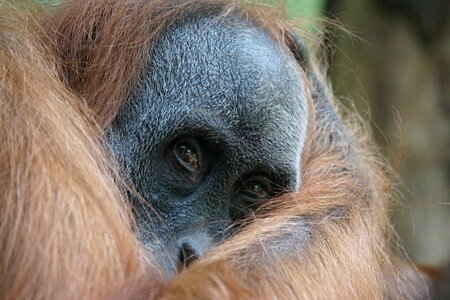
pixel 187 255
pixel 190 247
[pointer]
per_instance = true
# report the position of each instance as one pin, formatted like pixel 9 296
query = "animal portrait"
pixel 167 149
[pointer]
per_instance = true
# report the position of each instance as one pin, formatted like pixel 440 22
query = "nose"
pixel 190 248
pixel 187 255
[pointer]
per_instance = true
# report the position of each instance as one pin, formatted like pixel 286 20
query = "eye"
pixel 187 155
pixel 188 161
pixel 255 190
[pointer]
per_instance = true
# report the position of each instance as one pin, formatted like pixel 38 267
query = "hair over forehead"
pixel 103 46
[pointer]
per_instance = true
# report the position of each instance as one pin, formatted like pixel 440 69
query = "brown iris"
pixel 255 190
pixel 187 155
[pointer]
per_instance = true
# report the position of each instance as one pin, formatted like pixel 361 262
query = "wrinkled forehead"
pixel 227 67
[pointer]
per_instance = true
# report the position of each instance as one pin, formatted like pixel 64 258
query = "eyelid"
pixel 264 180
pixel 195 124
pixel 184 177
pixel 272 188
pixel 277 180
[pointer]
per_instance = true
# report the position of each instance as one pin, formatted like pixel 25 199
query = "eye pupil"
pixel 256 189
pixel 187 156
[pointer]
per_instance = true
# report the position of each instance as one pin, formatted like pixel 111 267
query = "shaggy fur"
pixel 65 227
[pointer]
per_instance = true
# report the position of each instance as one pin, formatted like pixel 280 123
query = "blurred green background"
pixel 395 67
pixel 399 72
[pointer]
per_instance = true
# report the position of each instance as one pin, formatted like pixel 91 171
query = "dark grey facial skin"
pixel 225 85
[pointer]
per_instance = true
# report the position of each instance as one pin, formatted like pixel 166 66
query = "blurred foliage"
pixel 309 9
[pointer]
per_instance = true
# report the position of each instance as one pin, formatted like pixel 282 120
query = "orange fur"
pixel 65 229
